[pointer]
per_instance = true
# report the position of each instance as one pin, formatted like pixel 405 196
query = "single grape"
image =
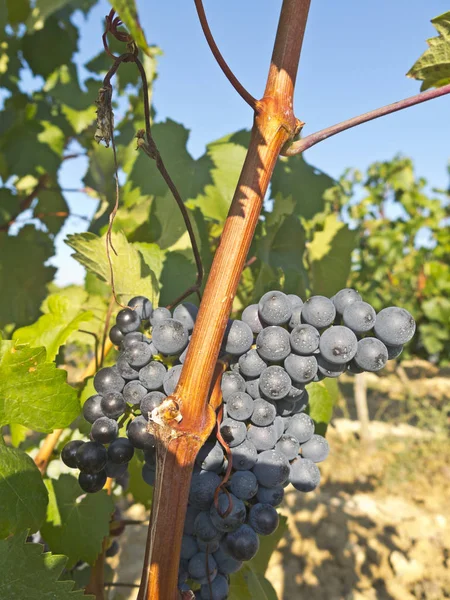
pixel 318 311
pixel 142 307
pixel 138 434
pixel 329 369
pixel 304 339
pixel 251 364
pixel 159 315
pixel 209 547
pixel 338 344
pixel 132 338
pixel 304 475
pixel 274 383
pixel 264 438
pixel 274 308
pixel 134 392
pixel 394 351
pixel 296 317
pixel 359 317
pixel 170 336
pixel 127 320
pixel 394 326
pixel 186 313
pixel 371 355
pixel 68 454
pixel 210 457
pixel 115 335
pixel 353 368
pixel 285 407
pixel 171 379
pixel 124 368
pixel 189 547
pixel 104 430
pixel 298 395
pixel 219 589
pixel 235 517
pixel 115 471
pixel 149 474
pixel 138 355
pixel 288 445
pixel 316 448
pixel 263 412
pixel 279 426
pixel 203 487
pixel 239 406
pixel 120 451
pixel 152 375
pixel 108 380
pixel 238 338
pixel 273 343
pixel 294 300
pixel 92 408
pixel 301 427
pixel 113 405
pixel 263 518
pixel 252 388
pixel 204 528
pixel 242 544
pixel 226 563
pixel 231 382
pixel 302 369
pixel 150 402
pixel 251 317
pixel 344 298
pixel 233 432
pixel 91 457
pixel 243 484
pixel 92 482
pixel 244 456
pixel 272 468
pixel 191 515
pixel 273 495
pixel 150 456
pixel 202 568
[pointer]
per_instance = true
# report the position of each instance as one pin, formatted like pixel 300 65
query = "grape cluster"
pixel 279 346
pixel 146 372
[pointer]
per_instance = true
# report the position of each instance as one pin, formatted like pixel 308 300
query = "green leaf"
pixel 294 177
pixel 26 573
pixel 141 491
pixel 320 406
pixel 18 11
pixel 433 67
pixel 24 274
pixel 246 584
pixel 76 522
pixel 34 392
pixel 23 497
pixel 329 255
pixel 132 275
pixel 18 433
pixel 127 11
pixel 63 315
pixel 57 42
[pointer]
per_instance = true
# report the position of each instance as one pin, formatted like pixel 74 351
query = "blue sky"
pixel 354 59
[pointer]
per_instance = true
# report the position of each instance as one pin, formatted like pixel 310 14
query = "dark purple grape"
pixel 239 406
pixel 231 382
pixel 318 311
pixel 394 351
pixel 120 451
pixel 338 344
pixel 160 314
pixel 116 336
pixel 189 547
pixel 210 457
pixel 108 380
pixel 152 375
pixel 204 528
pixel 288 445
pixel 113 405
pixel 115 471
pixel 344 298
pixel 148 474
pixel 219 589
pixel 203 487
pixel 202 568
pixel 274 383
pixel 128 320
pixel 226 563
pixel 394 326
pixel 233 432
pixel 316 448
pixel 273 495
pixel 244 456
pixel 150 402
pixel 304 339
pixel 92 408
pixel 294 300
pixel 272 468
pixel 142 307
pixel 273 343
pixel 186 313
pixel 91 457
pixel 238 338
pixel 138 355
pixel 171 379
pixel 263 518
pixel 264 438
pixel 170 336
pixel 104 430
pixel 125 370
pixel 134 392
pixel 263 412
pixel 68 454
pixel 242 544
pixel 251 364
pixel 371 354
pixel 329 369
pixel 252 388
pixel 138 434
pixel 359 317
pixel 244 485
pixel 301 427
pixel 133 338
pixel 92 482
pixel 296 317
pixel 251 317
pixel 301 369
pixel 304 475
pixel 235 517
pixel 274 308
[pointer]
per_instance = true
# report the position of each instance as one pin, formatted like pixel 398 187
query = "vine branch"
pixel 245 95
pixel 314 138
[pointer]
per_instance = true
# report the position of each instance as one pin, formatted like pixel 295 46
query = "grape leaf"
pixel 45 8
pixel 320 406
pixel 132 275
pixel 23 497
pixel 51 209
pixel 433 67
pixel 24 274
pixel 76 523
pixel 18 11
pixel 329 255
pixel 26 573
pixel 63 315
pixel 34 392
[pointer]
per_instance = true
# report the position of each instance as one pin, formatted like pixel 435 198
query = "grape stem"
pixel 178 443
pixel 314 138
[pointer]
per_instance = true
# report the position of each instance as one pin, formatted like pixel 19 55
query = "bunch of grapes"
pixel 264 439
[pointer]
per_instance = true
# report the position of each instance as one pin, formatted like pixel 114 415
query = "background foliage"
pixel 381 231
